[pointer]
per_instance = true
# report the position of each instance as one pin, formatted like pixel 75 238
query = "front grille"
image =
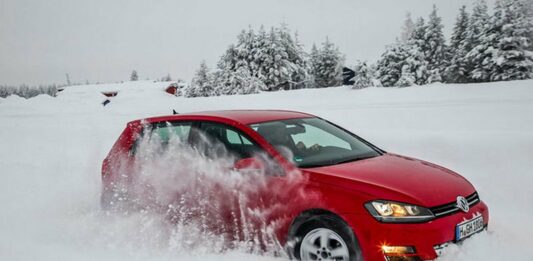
pixel 450 208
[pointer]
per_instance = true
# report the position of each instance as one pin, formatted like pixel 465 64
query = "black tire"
pixel 305 225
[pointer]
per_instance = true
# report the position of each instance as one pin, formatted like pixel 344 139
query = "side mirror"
pixel 250 165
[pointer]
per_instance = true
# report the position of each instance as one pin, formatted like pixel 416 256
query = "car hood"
pixel 395 177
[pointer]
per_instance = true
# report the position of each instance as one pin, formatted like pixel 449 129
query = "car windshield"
pixel 313 142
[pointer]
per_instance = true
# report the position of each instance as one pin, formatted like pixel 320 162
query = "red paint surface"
pixel 171 90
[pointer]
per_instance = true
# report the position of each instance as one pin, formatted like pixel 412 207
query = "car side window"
pixel 224 140
pixel 169 130
pixel 164 132
pixel 236 138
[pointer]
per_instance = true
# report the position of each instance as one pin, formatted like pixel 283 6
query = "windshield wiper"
pixel 331 162
pixel 315 165
pixel 353 159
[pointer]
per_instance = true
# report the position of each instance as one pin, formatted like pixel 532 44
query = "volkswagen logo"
pixel 462 204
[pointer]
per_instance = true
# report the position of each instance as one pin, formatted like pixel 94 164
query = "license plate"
pixel 468 228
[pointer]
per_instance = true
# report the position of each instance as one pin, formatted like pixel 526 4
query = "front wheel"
pixel 326 237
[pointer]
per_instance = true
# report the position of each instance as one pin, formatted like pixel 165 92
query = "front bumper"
pixel 426 238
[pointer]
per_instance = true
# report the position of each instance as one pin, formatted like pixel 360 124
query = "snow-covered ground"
pixel 51 151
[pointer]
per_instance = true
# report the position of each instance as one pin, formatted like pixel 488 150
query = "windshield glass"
pixel 313 142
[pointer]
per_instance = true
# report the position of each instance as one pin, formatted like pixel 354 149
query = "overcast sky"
pixel 104 40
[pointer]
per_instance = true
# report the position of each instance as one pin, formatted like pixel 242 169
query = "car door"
pixel 247 196
pixel 261 207
pixel 242 204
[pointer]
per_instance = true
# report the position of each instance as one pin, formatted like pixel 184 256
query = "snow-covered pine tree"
pixel 244 49
pixel 295 64
pixel 389 66
pixel 313 62
pixel 457 71
pixel 6 91
pixel 239 55
pixel 228 59
pixel 328 66
pixel 363 76
pixel 300 72
pixel 23 91
pixel 480 36
pixel 277 64
pixel 226 65
pixel 3 91
pixel 201 84
pixel 418 36
pixel 479 22
pixel 134 76
pixel 437 54
pixel 407 28
pixel 419 47
pixel 275 58
pixel 528 10
pixel 48 89
pixel 236 66
pixel 399 60
pixel 240 82
pixel 256 52
pixel 513 60
pixel 407 77
pixel 258 66
pixel 414 65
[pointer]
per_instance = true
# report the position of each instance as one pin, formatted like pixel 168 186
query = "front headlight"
pixel 396 212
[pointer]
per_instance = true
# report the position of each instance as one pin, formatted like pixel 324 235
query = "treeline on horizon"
pixel 27 91
pixel 484 47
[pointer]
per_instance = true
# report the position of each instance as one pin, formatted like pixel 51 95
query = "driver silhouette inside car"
pixel 302 148
pixel 278 135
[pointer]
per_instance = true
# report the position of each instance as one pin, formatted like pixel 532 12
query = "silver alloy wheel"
pixel 323 244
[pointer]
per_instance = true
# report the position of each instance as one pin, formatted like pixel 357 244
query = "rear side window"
pixel 172 130
pixel 164 132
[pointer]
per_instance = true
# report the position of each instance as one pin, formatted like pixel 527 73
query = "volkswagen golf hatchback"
pixel 354 201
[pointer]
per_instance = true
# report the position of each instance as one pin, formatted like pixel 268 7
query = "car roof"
pixel 241 116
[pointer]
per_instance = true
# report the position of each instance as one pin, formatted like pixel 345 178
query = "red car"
pixel 355 202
